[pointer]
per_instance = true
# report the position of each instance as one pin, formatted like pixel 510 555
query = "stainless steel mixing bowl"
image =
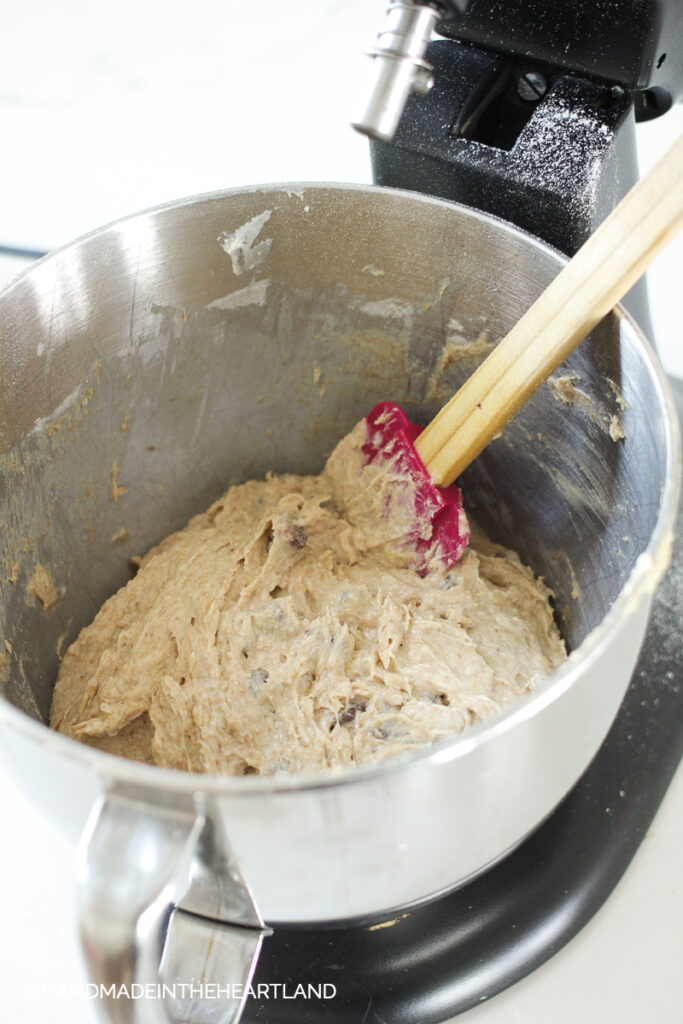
pixel 208 341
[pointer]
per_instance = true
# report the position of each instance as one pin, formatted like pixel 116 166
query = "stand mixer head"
pixel 521 115
pixel 637 50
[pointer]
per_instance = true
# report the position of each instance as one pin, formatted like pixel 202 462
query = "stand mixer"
pixel 520 112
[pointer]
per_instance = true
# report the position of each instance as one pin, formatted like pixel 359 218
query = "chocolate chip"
pixel 349 712
pixel 297 537
pixel 268 539
pixel 327 505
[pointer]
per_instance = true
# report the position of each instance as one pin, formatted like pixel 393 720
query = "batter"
pixel 286 630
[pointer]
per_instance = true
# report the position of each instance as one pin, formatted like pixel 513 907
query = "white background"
pixel 106 111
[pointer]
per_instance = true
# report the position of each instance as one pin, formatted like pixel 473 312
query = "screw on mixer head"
pixel 532 86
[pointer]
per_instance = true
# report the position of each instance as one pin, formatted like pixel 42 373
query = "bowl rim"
pixel 642 581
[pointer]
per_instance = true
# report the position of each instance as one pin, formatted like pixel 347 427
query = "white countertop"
pixel 104 112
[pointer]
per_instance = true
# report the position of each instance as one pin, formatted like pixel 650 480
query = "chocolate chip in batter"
pixel 297 536
pixel 350 710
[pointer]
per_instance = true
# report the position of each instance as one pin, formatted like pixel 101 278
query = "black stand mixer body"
pixel 532 111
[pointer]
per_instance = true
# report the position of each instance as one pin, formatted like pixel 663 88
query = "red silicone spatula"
pixel 587 288
pixel 441 527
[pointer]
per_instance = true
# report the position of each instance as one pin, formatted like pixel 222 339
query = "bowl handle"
pixel 148 961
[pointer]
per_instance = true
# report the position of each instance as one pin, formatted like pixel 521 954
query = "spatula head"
pixel 441 529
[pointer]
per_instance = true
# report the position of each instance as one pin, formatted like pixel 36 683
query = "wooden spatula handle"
pixel 601 272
